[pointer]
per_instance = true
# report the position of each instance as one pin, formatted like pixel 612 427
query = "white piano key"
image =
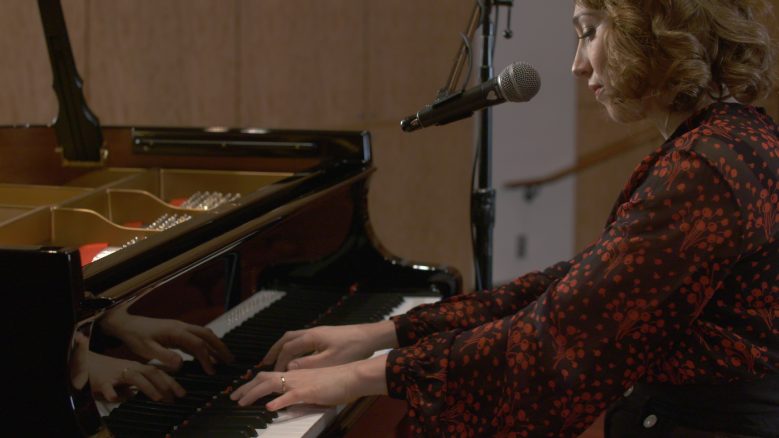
pixel 243 311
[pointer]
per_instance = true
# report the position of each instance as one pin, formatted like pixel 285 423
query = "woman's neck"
pixel 668 121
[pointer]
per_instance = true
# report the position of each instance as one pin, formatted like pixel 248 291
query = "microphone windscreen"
pixel 519 82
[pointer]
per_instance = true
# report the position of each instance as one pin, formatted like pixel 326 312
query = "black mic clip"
pixel 412 122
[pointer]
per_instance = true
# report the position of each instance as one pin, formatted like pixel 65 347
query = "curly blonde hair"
pixel 685 51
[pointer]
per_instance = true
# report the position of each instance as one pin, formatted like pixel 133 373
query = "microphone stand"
pixel 483 196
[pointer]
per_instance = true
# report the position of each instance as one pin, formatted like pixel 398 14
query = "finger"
pixel 292 349
pixel 139 381
pixel 264 388
pixel 238 393
pixel 108 392
pixel 198 348
pixel 81 339
pixel 284 400
pixel 273 353
pixel 217 347
pixel 168 357
pixel 241 390
pixel 164 383
pixel 318 360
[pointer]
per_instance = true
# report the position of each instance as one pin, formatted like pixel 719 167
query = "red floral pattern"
pixel 682 287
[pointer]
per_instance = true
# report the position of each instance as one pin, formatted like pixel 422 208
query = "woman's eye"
pixel 588 34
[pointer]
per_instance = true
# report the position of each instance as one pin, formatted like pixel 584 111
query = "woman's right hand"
pixel 326 346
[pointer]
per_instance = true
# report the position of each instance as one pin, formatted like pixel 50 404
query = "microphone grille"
pixel 519 82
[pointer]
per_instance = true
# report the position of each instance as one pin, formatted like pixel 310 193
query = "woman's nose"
pixel 581 65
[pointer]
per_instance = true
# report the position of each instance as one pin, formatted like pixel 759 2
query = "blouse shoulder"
pixel 741 143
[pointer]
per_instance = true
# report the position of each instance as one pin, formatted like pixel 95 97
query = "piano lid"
pixel 78 128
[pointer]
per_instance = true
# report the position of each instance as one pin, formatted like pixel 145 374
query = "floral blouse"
pixel 681 287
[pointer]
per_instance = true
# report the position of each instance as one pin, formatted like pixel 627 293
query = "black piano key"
pixel 120 431
pixel 145 417
pixel 227 421
pixel 178 406
pixel 151 428
pixel 191 367
pixel 215 432
pixel 197 385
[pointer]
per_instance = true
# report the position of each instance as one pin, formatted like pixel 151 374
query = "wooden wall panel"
pixel 386 63
pixel 27 95
pixel 410 53
pixel 420 196
pixel 302 63
pixel 409 57
pixel 163 62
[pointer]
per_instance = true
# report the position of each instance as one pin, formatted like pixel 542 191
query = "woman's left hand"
pixel 321 386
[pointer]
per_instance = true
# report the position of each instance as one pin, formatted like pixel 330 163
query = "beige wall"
pixel 310 64
pixel 597 187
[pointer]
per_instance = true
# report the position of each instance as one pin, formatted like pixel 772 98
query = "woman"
pixel 668 319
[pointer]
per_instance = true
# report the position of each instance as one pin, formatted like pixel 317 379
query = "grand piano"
pixel 251 232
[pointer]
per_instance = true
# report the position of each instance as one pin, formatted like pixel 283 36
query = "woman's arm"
pixel 327 346
pixel 472 309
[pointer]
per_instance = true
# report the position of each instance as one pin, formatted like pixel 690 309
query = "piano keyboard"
pixel 249 330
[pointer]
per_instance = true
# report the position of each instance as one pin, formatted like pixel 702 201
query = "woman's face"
pixel 590 60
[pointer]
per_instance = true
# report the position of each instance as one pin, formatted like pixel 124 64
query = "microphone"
pixel 519 82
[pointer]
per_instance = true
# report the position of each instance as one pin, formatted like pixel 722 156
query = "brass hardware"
pixel 86 164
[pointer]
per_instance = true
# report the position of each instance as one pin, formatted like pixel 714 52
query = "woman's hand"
pixel 323 386
pixel 111 379
pixel 330 345
pixel 151 338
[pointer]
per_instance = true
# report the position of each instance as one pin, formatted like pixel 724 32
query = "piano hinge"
pixel 75 163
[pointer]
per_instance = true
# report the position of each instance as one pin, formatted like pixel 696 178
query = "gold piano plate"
pixel 105 177
pixel 37 195
pixel 168 184
pixel 66 227
pixel 117 206
pixel 127 207
pixel 8 212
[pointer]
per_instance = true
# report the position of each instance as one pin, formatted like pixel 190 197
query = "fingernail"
pixel 292 366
